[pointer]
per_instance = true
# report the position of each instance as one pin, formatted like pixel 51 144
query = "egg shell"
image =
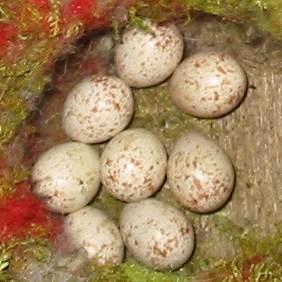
pixel 97 109
pixel 133 165
pixel 92 230
pixel 200 174
pixel 67 176
pixel 208 84
pixel 146 58
pixel 157 234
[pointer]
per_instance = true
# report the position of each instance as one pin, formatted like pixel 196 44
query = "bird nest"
pixel 242 241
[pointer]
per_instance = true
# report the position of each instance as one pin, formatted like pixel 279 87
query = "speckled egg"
pixel 157 234
pixel 67 176
pixel 200 174
pixel 97 109
pixel 208 84
pixel 92 230
pixel 133 165
pixel 146 58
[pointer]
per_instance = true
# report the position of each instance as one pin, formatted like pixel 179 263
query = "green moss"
pixel 139 273
pixel 38 248
pixel 131 271
pixel 5 257
pixel 107 203
pixel 222 7
pixel 11 178
pixel 155 111
pixel 252 244
pixel 265 14
pixel 5 13
pixel 137 21
pixel 20 82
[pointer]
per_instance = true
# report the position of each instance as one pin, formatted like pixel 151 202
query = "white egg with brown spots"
pixel 133 165
pixel 97 109
pixel 200 174
pixel 92 230
pixel 148 57
pixel 157 234
pixel 67 176
pixel 208 84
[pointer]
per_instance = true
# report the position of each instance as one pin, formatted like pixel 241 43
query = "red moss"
pixel 8 32
pixel 23 215
pixel 41 5
pixel 79 10
pixel 82 9
pixel 35 25
pixel 91 13
pixel 44 9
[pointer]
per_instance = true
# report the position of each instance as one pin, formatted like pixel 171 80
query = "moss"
pixel 17 82
pixel 5 257
pixel 131 271
pixel 38 248
pixel 265 14
pixel 8 182
pixel 107 203
pixel 139 273
pixel 154 110
pixel 136 21
pixel 252 244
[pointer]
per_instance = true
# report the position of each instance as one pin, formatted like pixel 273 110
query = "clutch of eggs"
pixel 134 162
pixel 148 57
pixel 200 174
pixel 208 84
pixel 67 176
pixel 133 165
pixel 97 109
pixel 157 234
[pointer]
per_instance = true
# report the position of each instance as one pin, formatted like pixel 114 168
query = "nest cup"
pixel 243 236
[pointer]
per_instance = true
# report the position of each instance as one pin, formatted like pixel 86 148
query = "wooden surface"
pixel 251 135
